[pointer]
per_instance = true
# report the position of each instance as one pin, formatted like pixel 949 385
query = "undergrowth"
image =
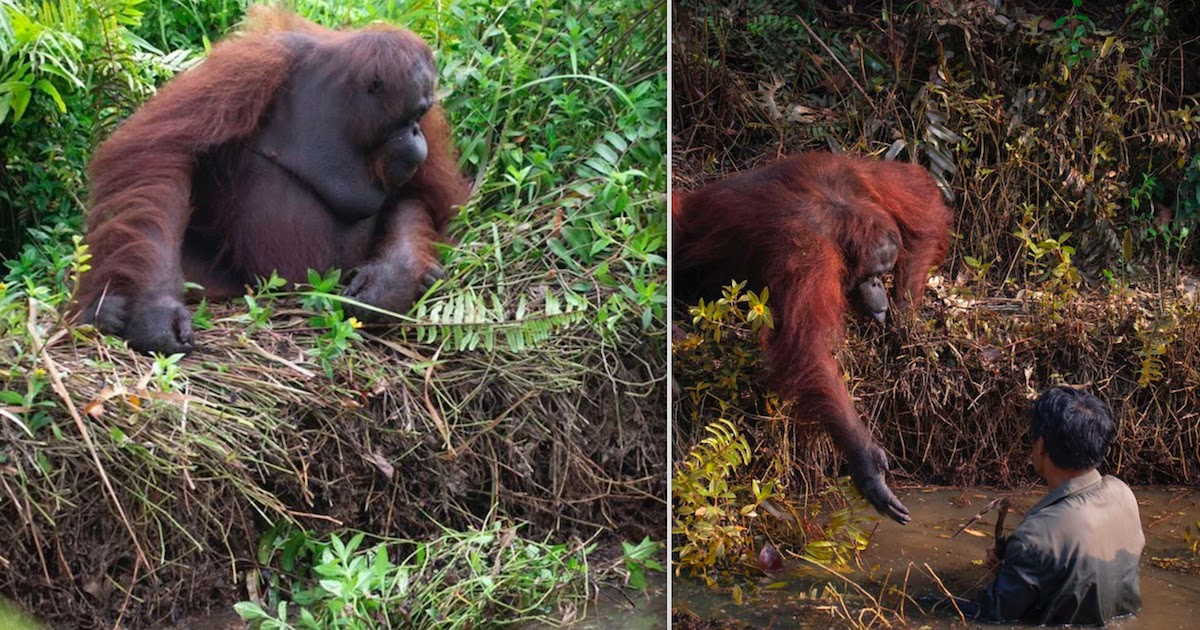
pixel 730 496
pixel 1066 142
pixel 1058 119
pixel 451 581
pixel 527 384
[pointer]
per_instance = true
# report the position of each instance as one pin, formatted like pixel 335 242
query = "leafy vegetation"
pixel 451 581
pixel 1065 138
pixel 69 71
pixel 711 513
pixel 523 384
pixel 1064 135
pixel 716 498
pixel 720 488
pixel 640 559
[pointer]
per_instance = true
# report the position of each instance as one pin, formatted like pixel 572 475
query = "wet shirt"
pixel 1073 560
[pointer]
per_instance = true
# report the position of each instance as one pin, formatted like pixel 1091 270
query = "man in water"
pixel 1074 559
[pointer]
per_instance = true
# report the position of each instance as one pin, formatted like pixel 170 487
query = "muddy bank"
pixel 190 477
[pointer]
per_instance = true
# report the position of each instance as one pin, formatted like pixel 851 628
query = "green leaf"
pixel 5 105
pixel 52 91
pixel 20 100
pixel 250 611
pixel 607 154
pixel 333 587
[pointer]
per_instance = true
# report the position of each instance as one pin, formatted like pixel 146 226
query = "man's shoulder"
pixel 1120 492
pixel 1110 501
pixel 1115 484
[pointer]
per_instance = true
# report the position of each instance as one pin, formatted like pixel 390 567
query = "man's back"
pixel 1073 560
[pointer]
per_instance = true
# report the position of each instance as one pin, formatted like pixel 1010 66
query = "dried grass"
pixel 403 439
pixel 948 394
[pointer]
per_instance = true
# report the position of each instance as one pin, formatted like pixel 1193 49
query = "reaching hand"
pixel 867 467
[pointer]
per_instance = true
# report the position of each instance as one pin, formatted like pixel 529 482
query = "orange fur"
pixel 144 177
pixel 799 226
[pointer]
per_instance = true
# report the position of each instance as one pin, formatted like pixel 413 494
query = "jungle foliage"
pixel 1065 135
pixel 524 389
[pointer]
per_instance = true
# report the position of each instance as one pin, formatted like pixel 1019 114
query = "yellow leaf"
pixel 95 409
pixel 1106 47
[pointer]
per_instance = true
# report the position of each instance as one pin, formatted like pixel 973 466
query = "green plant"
pixel 323 291
pixel 1050 264
pixel 80 261
pixel 844 535
pixel 1153 22
pixel 69 70
pixel 1174 234
pixel 1144 193
pixel 195 24
pixel 1073 39
pixel 717 494
pixel 40 46
pixel 470 321
pixel 979 269
pixel 202 319
pixel 713 507
pixel 257 316
pixel 166 372
pixel 457 580
pixel 639 559
pixel 716 316
pixel 333 343
pixel 33 408
pixel 722 350
pixel 258 313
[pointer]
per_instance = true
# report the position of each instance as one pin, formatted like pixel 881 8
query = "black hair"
pixel 1076 427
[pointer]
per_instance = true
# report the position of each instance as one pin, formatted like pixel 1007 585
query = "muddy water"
pixel 614 608
pixel 910 560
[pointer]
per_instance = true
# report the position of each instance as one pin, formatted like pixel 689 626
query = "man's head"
pixel 1070 429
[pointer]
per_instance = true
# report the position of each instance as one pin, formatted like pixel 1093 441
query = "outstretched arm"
pixel 808 277
pixel 141 188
